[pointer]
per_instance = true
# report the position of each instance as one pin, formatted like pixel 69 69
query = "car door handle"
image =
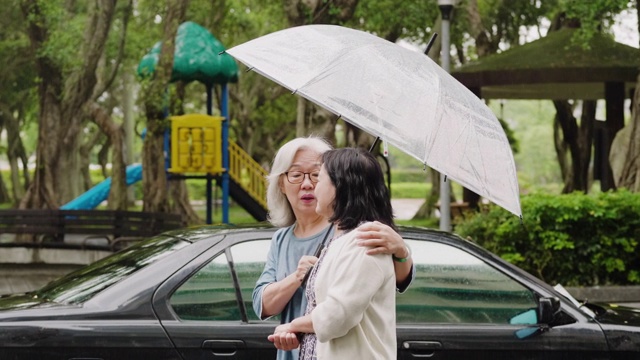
pixel 223 347
pixel 423 349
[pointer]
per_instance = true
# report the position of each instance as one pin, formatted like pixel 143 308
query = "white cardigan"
pixel 355 316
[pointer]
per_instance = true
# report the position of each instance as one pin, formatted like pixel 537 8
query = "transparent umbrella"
pixel 397 94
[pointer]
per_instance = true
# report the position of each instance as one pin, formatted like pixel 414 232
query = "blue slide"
pixel 99 193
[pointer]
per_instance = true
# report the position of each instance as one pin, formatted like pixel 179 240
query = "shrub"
pixel 573 239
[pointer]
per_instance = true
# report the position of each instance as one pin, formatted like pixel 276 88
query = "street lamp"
pixel 446 8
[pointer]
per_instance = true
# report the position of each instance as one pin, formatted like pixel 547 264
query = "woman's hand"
pixel 304 265
pixel 381 239
pixel 283 338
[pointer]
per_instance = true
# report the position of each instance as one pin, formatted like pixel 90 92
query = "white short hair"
pixel 280 211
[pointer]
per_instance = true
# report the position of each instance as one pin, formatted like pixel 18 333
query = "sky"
pixel 626 28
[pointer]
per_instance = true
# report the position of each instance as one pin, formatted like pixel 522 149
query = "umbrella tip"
pixel 222 52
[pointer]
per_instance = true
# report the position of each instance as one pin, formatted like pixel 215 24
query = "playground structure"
pixel 197 146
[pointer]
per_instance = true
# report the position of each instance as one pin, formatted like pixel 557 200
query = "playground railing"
pixel 82 228
pixel 248 173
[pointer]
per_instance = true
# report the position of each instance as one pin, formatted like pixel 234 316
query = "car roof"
pixel 201 232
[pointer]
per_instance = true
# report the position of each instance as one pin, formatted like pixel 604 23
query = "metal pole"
pixel 224 111
pixel 209 214
pixel 445 197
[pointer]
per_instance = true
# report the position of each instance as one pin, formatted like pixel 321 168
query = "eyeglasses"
pixel 297 177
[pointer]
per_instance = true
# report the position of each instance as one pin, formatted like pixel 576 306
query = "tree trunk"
pixel 15 152
pixel 301 126
pixel 154 177
pixel 118 194
pixel 629 176
pixel 181 204
pixel 561 151
pixel 579 140
pixel 85 158
pixel 57 176
pixel 4 191
pixel 428 208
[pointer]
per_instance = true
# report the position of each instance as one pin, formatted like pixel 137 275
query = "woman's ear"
pixel 281 184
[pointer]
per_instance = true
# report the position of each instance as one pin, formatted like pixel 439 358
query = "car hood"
pixel 614 314
pixel 621 326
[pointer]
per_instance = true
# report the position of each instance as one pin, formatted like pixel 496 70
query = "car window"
pixel 83 284
pixel 210 293
pixel 249 259
pixel 453 286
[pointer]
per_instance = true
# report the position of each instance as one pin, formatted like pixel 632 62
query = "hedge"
pixel 573 239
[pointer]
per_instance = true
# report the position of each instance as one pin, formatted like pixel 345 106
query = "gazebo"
pixel 556 68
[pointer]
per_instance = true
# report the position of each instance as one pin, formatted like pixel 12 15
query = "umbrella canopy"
pixel 399 95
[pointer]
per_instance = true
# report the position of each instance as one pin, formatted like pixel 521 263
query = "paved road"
pixel 404 209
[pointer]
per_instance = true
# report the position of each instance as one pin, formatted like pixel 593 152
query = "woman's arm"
pixel 277 294
pixel 382 239
pixel 270 296
pixel 285 336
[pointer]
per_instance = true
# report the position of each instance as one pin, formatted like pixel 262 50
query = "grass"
pixel 410 190
pixel 237 214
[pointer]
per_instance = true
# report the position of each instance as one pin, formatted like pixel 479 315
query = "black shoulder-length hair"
pixel 361 194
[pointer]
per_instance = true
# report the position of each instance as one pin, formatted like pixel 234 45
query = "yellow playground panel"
pixel 196 144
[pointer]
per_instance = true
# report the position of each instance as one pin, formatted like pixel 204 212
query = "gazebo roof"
pixel 553 68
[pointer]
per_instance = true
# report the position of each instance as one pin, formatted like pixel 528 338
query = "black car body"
pixel 187 295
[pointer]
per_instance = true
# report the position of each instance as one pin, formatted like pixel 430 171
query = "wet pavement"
pixel 405 209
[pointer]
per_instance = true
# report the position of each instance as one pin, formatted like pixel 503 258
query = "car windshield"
pixel 81 285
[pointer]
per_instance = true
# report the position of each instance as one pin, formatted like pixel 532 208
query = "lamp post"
pixel 446 8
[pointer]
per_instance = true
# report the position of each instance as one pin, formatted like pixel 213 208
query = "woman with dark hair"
pixel 350 295
pixel 292 206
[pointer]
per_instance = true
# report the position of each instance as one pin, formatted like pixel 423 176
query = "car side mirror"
pixel 548 309
pixel 543 317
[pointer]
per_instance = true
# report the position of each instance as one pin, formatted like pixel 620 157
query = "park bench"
pixel 49 227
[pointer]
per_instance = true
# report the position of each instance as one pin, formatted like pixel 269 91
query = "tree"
pixel 593 18
pixel 68 41
pixel 16 102
pixel 629 174
pixel 154 178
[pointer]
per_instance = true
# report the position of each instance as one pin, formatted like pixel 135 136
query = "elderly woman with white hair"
pixel 292 206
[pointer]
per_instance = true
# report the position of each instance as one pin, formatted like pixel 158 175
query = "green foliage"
pixel 511 136
pixel 65 27
pixel 505 19
pixel 532 125
pixel 405 175
pixel 411 20
pixel 573 239
pixel 592 14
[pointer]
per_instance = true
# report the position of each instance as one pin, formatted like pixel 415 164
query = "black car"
pixel 187 295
